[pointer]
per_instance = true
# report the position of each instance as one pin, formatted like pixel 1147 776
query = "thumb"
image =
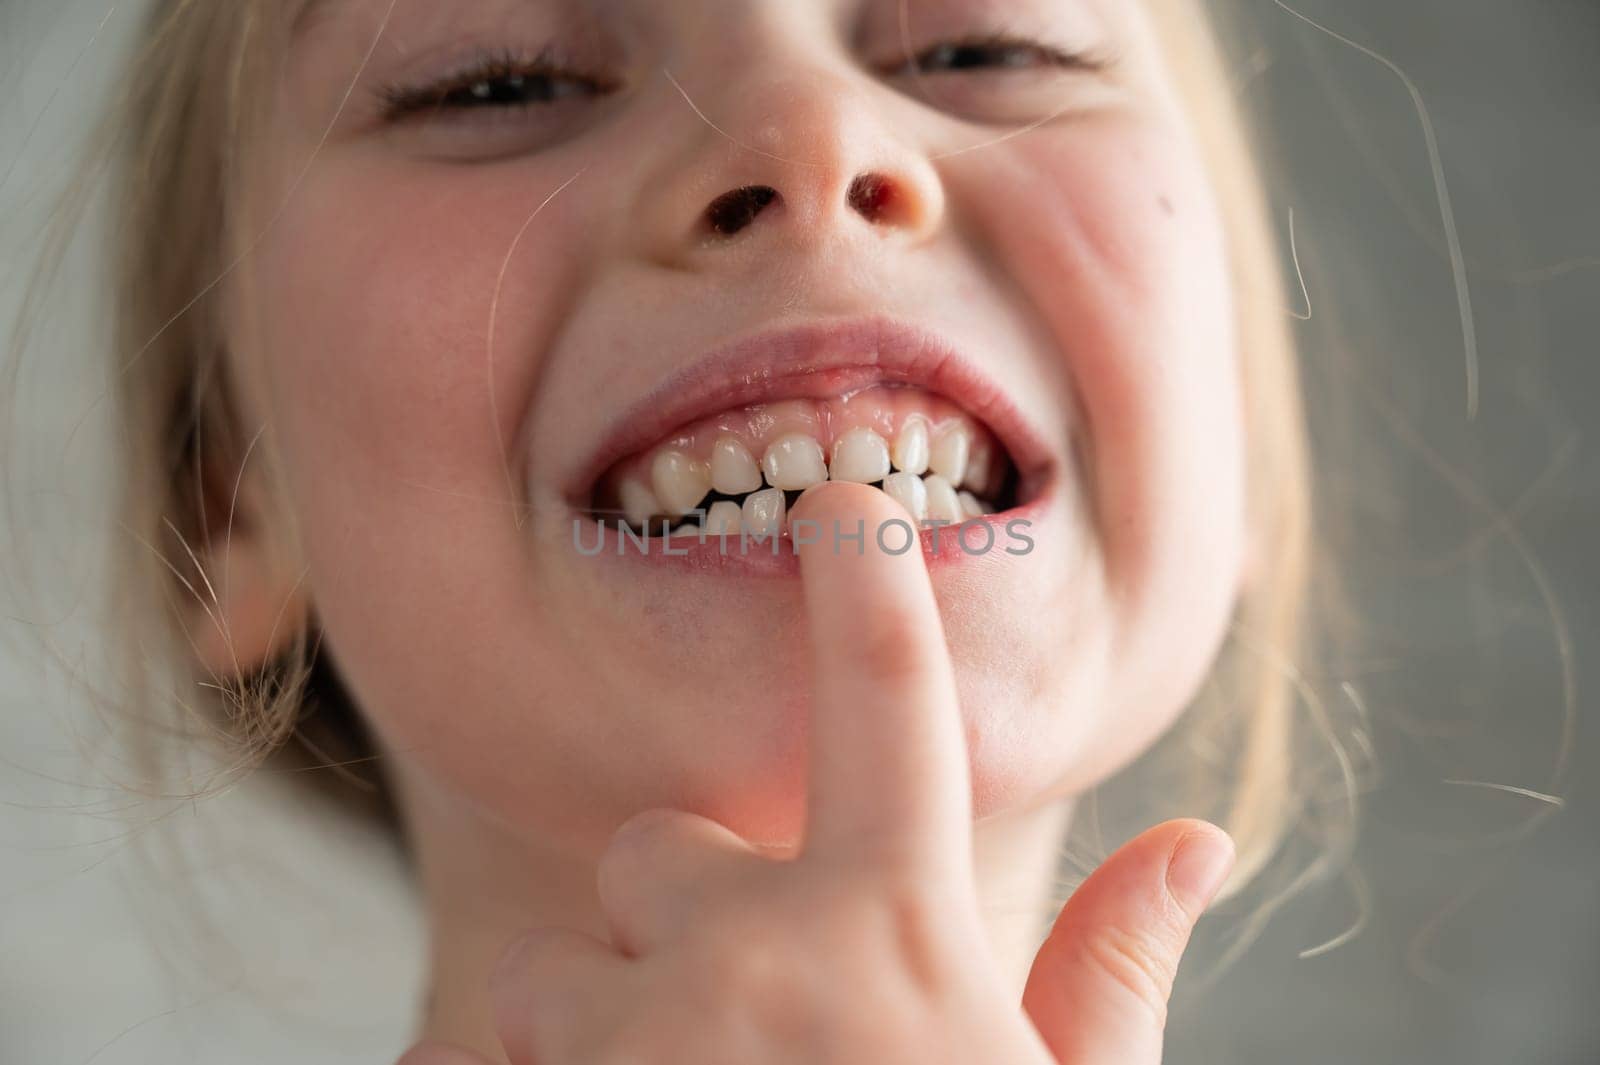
pixel 1098 988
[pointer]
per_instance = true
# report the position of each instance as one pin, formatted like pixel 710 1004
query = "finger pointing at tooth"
pixel 888 760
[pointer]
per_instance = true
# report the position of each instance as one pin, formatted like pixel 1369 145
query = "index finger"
pixel 888 774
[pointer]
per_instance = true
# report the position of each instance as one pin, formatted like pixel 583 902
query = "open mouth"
pixel 741 470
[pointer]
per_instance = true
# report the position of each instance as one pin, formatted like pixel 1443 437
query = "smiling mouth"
pixel 741 470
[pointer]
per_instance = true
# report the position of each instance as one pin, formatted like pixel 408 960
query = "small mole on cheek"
pixel 1166 206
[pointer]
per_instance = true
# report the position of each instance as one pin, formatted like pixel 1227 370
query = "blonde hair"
pixel 1257 751
pixel 1244 750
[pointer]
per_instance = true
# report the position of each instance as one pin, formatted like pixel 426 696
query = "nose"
pixel 877 197
pixel 786 160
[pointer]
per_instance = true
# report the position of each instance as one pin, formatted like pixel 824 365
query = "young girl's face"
pixel 510 283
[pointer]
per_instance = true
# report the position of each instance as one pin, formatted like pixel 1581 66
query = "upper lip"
pixel 818 360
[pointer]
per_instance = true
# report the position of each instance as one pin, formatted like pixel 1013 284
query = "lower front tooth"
pixel 723 517
pixel 970 507
pixel 679 481
pixel 908 490
pixel 794 461
pixel 762 513
pixel 942 502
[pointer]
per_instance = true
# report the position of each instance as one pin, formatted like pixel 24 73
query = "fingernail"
pixel 1199 865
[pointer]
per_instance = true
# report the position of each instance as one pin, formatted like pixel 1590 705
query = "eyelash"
pixel 477 86
pixel 1050 55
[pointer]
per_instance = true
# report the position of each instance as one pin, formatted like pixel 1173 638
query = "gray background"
pixel 1465 545
pixel 1454 536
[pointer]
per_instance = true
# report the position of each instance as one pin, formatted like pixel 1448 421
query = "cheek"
pixel 376 292
pixel 379 299
pixel 1111 230
pixel 404 315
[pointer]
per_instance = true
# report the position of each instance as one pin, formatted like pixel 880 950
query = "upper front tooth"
pixel 911 448
pixel 948 458
pixel 733 468
pixel 977 475
pixel 639 504
pixel 679 481
pixel 860 455
pixel 762 512
pixel 942 502
pixel 908 490
pixel 794 461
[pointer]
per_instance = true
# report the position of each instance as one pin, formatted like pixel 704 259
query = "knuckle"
pixel 543 959
pixel 661 1033
pixel 764 980
pixel 635 845
pixel 887 653
pixel 915 921
pixel 1137 963
pixel 644 828
pixel 752 961
pixel 541 946
pixel 545 1015
pixel 919 926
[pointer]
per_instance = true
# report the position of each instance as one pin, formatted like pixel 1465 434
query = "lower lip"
pixel 948 545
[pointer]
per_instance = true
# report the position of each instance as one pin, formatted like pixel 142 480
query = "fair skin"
pixel 867 946
pixel 442 354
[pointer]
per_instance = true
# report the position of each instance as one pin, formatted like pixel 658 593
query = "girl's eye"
pixel 535 93
pixel 993 52
pixel 496 82
pixel 996 79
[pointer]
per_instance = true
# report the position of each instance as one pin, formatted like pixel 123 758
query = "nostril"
pixel 872 196
pixel 732 211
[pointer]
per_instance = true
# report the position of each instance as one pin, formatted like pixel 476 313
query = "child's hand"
pixel 867 948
